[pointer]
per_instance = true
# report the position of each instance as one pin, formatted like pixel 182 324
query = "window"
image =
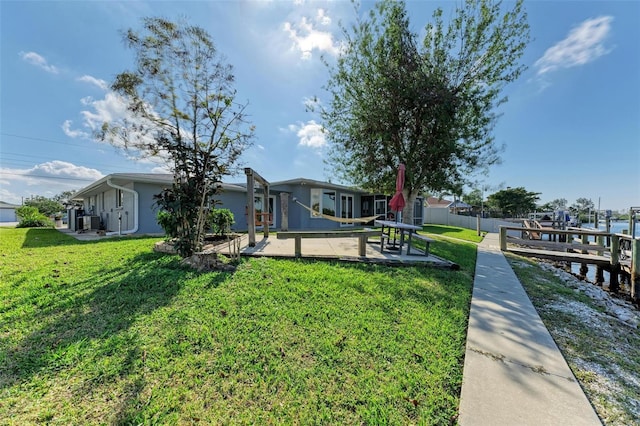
pixel 323 200
pixel 119 198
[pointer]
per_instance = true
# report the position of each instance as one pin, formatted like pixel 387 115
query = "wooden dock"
pixel 574 246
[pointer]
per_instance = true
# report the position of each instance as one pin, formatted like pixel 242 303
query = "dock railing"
pixel 622 255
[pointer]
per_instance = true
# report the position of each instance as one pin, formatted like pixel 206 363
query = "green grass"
pixel 452 232
pixel 110 332
pixel 603 353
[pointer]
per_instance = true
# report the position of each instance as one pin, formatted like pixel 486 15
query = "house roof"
pixel 437 202
pixel 166 179
pixel 4 205
pixel 311 182
pixel 459 205
pixel 126 178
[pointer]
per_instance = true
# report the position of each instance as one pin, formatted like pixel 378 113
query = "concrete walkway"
pixel 514 374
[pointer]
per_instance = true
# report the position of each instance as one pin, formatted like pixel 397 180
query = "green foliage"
pixel 513 202
pixel 429 104
pixel 582 206
pixel 183 202
pixel 473 198
pixel 46 206
pixel 65 197
pixel 181 94
pixel 221 221
pixel 30 217
pixel 168 223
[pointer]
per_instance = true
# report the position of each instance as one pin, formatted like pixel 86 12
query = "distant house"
pixel 123 202
pixel 459 206
pixel 437 203
pixel 8 212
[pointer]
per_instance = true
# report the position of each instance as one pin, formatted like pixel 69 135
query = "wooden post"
pixel 251 208
pixel 583 267
pixel 252 176
pixel 635 270
pixel 599 270
pixel 284 206
pixel 298 246
pixel 265 225
pixel 614 285
pixel 503 238
pixel 478 221
pixel 362 245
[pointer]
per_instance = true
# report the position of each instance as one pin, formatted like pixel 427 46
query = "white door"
pixel 346 208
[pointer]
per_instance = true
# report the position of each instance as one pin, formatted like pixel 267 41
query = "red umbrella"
pixel 397 203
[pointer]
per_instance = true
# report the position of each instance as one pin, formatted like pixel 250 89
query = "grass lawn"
pixel 452 232
pixel 111 332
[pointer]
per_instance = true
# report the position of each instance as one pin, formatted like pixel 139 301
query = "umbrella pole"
pixel 395 232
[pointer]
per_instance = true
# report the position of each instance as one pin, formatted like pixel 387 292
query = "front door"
pixel 346 208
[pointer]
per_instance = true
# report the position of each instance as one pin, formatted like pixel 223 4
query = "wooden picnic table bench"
pixel 424 238
pixel 362 236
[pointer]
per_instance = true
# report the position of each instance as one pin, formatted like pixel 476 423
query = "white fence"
pixel 440 216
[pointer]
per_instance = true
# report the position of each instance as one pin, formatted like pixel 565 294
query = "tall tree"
pixel 429 105
pixel 183 107
pixel 514 202
pixel 582 205
pixel 46 206
pixel 559 204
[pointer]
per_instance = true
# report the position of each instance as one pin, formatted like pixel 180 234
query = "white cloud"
pixel 95 81
pixel 583 44
pixel 311 134
pixel 111 109
pixel 45 179
pixel 307 38
pixel 39 61
pixel 63 169
pixel 66 128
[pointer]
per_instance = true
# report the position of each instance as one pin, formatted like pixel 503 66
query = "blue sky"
pixel 571 127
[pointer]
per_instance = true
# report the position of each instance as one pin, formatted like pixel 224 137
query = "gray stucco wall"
pixel 148 210
pixel 104 205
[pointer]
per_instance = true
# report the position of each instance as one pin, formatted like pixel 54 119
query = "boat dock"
pixel 619 254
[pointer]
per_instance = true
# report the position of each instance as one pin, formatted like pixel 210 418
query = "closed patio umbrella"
pixel 397 202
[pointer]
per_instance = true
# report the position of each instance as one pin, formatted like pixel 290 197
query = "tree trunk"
pixel 407 212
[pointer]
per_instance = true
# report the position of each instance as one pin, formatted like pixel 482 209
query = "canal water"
pixel 616 228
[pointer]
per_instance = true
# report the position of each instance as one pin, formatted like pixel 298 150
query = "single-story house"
pixel 459 206
pixel 437 203
pixel 8 212
pixel 123 202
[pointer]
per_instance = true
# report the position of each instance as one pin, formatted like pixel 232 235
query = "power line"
pixel 45 140
pixel 101 166
pixel 48 177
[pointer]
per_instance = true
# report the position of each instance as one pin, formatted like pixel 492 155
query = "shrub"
pixel 30 217
pixel 168 222
pixel 220 221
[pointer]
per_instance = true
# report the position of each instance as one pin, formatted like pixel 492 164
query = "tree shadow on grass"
pixel 91 324
pixel 48 237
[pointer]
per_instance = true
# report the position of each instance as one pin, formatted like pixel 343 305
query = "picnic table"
pixel 410 231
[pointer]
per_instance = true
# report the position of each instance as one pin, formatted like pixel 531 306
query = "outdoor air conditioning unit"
pixel 91 222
